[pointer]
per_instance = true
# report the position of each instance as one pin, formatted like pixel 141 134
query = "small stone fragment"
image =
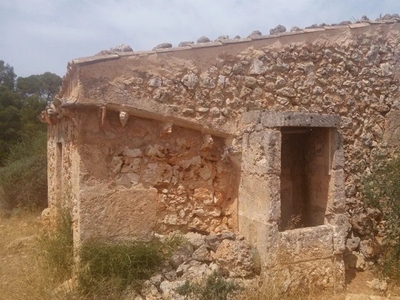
pixel 257 67
pixel 278 29
pixel 286 92
pixel 255 33
pixel 353 243
pixel 203 39
pixel 295 29
pixel 202 254
pixel 190 80
pixel 155 82
pixel 195 239
pixel 185 43
pixel 250 81
pixel 163 46
pixel 122 48
pixel 236 257
pixel 222 37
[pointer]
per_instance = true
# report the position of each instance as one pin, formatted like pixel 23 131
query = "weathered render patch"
pixel 138 179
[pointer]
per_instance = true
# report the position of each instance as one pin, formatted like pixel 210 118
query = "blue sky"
pixel 43 35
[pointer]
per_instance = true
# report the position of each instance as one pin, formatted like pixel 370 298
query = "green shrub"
pixel 109 268
pixel 381 190
pixel 57 248
pixel 215 287
pixel 24 177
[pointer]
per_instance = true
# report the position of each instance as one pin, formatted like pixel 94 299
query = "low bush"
pixel 23 179
pixel 381 190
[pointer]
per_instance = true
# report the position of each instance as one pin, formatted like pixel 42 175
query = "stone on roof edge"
pixel 228 41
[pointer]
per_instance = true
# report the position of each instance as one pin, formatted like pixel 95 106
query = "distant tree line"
pixel 23 136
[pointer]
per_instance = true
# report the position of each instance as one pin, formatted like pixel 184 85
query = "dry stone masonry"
pixel 266 136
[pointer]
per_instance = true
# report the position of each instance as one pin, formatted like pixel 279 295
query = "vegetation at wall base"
pixel 381 190
pixel 215 287
pixel 108 268
pixel 57 248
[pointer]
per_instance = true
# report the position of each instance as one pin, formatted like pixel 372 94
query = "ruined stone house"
pixel 268 136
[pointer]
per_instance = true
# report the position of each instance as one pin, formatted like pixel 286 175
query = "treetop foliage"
pixel 23 162
pixel 7 75
pixel 21 101
pixel 45 86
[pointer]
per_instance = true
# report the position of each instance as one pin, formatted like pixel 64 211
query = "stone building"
pixel 268 136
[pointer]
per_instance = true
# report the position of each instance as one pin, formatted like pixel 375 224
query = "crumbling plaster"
pixel 135 181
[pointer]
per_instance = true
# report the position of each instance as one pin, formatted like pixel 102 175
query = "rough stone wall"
pixel 350 71
pixel 139 179
pixel 353 74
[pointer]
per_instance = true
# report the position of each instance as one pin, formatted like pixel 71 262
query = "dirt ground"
pixel 20 276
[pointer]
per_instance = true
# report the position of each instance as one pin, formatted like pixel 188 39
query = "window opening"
pixel 305 175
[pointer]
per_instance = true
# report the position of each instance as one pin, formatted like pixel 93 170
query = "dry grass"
pixel 24 274
pixel 263 291
pixel 22 271
pixel 17 235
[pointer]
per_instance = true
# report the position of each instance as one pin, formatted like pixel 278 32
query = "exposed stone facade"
pixel 202 137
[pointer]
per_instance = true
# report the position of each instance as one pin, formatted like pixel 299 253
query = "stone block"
pixel 254 198
pixel 283 119
pixel 311 275
pixel 250 117
pixel 305 244
pixel 261 153
pixel 337 195
pixel 392 128
pixel 338 154
pixel 120 213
